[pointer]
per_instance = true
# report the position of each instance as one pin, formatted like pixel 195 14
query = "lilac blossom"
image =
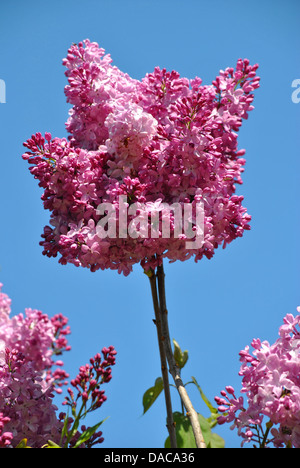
pixel 270 411
pixel 30 375
pixel 28 344
pixel 27 402
pixel 36 336
pixel 164 138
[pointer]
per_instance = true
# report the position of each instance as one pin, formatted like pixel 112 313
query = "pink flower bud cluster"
pixel 162 139
pixel 271 383
pixel 91 376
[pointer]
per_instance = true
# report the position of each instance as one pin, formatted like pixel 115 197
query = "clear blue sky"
pixel 217 306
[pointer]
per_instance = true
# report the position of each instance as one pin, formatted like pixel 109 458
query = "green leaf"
pixel 23 444
pixel 86 435
pixel 204 398
pixel 152 393
pixel 205 428
pixel 51 444
pixel 65 428
pixel 214 411
pixel 72 432
pixel 184 432
pixel 185 436
pixel 179 356
pixel 216 441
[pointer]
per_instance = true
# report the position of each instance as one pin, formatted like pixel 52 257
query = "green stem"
pixel 174 369
pixel 163 360
pixel 264 441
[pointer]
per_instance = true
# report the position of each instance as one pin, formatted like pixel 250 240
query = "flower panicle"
pixel 30 375
pixel 164 138
pixel 270 380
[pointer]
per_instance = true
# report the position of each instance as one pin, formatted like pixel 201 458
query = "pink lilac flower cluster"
pixel 272 385
pixel 87 396
pixel 163 139
pixel 27 346
pixel 91 376
pixel 27 382
pixel 26 402
pixel 37 337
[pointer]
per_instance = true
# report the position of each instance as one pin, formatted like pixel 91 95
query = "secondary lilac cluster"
pixel 91 376
pixel 37 337
pixel 28 344
pixel 164 139
pixel 272 386
pixel 87 394
pixel 27 402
